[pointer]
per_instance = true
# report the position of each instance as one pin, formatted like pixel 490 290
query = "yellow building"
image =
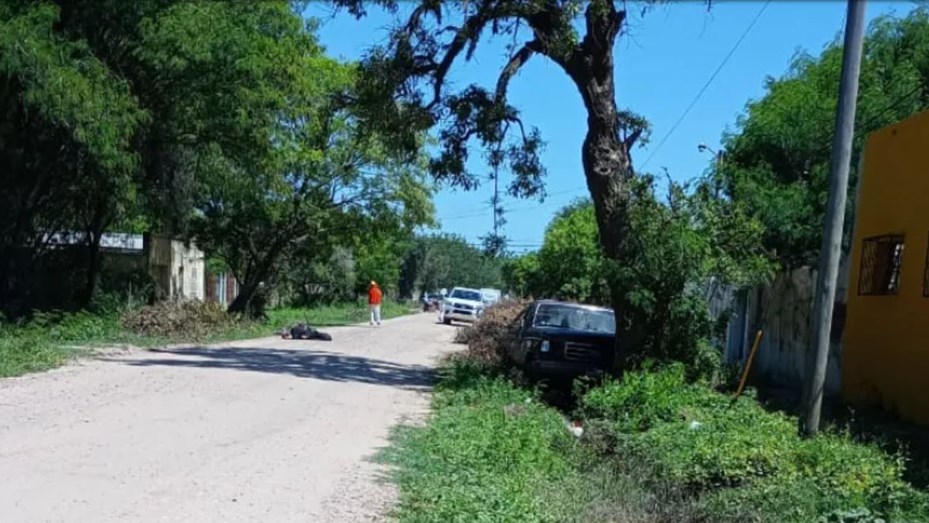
pixel 885 356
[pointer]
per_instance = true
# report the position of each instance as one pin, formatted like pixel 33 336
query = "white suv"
pixel 462 304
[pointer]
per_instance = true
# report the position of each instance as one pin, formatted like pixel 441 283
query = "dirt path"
pixel 265 430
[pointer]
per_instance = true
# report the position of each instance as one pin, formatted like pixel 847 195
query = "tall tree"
pixel 777 160
pixel 406 90
pixel 445 261
pixel 66 158
pixel 313 182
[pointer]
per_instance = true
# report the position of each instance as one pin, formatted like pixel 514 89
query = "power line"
pixel 707 84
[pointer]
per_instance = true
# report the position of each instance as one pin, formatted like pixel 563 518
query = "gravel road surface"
pixel 264 430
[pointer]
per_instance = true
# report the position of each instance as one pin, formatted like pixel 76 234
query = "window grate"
pixel 881 262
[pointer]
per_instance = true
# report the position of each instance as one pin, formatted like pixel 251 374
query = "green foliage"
pixel 520 274
pixel 331 315
pixel 43 343
pixel 643 400
pixel 655 448
pixel 570 258
pixel 677 251
pixel 744 463
pixel 444 261
pixel 223 122
pixel 67 85
pixel 777 161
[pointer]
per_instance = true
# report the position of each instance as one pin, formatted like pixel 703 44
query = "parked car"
pixel 563 340
pixel 462 304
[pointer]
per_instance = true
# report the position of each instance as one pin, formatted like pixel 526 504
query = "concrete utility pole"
pixel 834 220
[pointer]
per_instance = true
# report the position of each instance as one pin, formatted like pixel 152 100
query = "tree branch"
pixel 632 138
pixel 516 62
pixel 603 22
pixel 466 32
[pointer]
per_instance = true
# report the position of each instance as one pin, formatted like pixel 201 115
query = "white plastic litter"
pixel 575 428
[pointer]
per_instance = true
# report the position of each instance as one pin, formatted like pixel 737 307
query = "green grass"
pixel 50 340
pixel 493 452
pixel 333 315
pixel 485 455
pixel 655 448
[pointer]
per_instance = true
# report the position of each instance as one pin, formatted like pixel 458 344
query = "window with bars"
pixel 881 261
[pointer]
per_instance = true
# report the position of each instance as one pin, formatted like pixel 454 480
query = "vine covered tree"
pixel 405 91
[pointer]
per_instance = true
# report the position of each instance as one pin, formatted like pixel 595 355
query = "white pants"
pixel 375 314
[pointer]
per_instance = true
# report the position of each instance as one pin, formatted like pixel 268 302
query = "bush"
pixel 644 399
pixel 489 335
pixel 190 320
pixel 720 447
pixel 808 500
pixel 742 462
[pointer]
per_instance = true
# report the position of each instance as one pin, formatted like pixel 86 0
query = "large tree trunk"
pixel 608 172
pixel 605 156
pixel 94 236
pixel 249 288
pixel 243 301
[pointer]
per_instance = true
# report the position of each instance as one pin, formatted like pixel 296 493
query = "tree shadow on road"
pixel 320 365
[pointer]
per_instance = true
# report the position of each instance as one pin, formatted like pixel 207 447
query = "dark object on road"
pixel 305 332
pixel 563 340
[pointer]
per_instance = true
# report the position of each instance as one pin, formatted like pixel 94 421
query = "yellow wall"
pixel 885 357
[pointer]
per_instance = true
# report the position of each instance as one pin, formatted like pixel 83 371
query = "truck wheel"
pixel 447 321
pixel 531 371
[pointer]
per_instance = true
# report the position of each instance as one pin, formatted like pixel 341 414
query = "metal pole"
pixel 834 220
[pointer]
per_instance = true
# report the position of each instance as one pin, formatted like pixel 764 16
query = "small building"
pixel 178 268
pixel 885 358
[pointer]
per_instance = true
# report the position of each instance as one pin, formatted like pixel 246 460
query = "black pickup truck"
pixel 563 340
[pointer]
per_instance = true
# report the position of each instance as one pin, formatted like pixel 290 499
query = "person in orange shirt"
pixel 374 303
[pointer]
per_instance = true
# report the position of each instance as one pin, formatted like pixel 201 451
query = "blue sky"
pixel 661 64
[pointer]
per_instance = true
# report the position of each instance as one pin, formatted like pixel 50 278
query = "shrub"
pixel 719 447
pixel 488 336
pixel 644 399
pixel 191 319
pixel 806 500
pixel 744 463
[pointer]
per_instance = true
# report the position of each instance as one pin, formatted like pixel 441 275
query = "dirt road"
pixel 266 430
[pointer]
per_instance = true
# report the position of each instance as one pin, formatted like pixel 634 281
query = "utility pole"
pixel 834 220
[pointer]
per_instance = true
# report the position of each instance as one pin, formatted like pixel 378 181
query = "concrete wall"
pixel 886 358
pixel 782 310
pixel 179 269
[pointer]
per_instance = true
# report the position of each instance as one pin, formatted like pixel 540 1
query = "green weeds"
pixel 656 448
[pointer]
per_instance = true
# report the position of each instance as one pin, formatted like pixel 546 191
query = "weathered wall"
pixel 782 310
pixel 177 268
pixel 886 361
